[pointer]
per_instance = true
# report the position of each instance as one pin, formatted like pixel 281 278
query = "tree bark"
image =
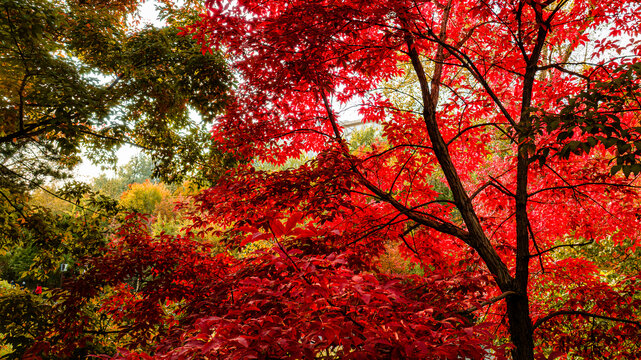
pixel 520 325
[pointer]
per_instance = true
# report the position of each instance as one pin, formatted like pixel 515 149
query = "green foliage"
pixel 251 248
pixel 597 114
pixel 164 80
pixel 39 239
pixel 36 242
pixel 28 316
pixel 139 169
pixel 47 197
pixel 17 262
pixel 168 226
pixel 74 75
pixel 291 163
pixel 25 316
pixel 364 138
pixel 614 259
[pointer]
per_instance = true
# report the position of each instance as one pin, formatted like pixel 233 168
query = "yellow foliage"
pixel 145 197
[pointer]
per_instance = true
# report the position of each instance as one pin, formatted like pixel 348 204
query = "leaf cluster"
pixel 74 75
pixel 598 117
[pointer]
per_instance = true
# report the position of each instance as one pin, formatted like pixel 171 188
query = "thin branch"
pixel 13 205
pixel 395 148
pixel 302 130
pixel 489 302
pixel 49 192
pixel 412 249
pixel 562 246
pixel 443 227
pixel 501 224
pixel 22 102
pixel 479 190
pixel 560 68
pixel 29 130
pixel 440 55
pixel 112 138
pixel 582 184
pixel 477 126
pixel 331 116
pixel 573 187
pixel 536 245
pixel 391 188
pixel 474 71
pixel 374 229
pixel 540 321
pixel 501 187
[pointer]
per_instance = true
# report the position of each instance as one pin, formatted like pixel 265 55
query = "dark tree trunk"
pixel 520 325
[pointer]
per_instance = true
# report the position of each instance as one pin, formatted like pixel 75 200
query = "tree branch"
pixel 540 321
pixel 444 227
pixel 489 302
pixel 331 116
pixel 477 238
pixel 573 187
pixel 561 246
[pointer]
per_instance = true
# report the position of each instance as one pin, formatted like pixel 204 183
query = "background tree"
pixel 80 75
pixel 144 197
pixel 138 170
pixel 74 75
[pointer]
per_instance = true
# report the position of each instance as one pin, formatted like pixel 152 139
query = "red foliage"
pixel 278 303
pixel 503 156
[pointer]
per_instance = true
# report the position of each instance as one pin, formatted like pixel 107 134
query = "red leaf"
pixel 242 341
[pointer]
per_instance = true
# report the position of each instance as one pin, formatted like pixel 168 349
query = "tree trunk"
pixel 520 324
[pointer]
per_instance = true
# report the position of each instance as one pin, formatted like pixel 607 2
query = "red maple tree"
pixel 514 144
